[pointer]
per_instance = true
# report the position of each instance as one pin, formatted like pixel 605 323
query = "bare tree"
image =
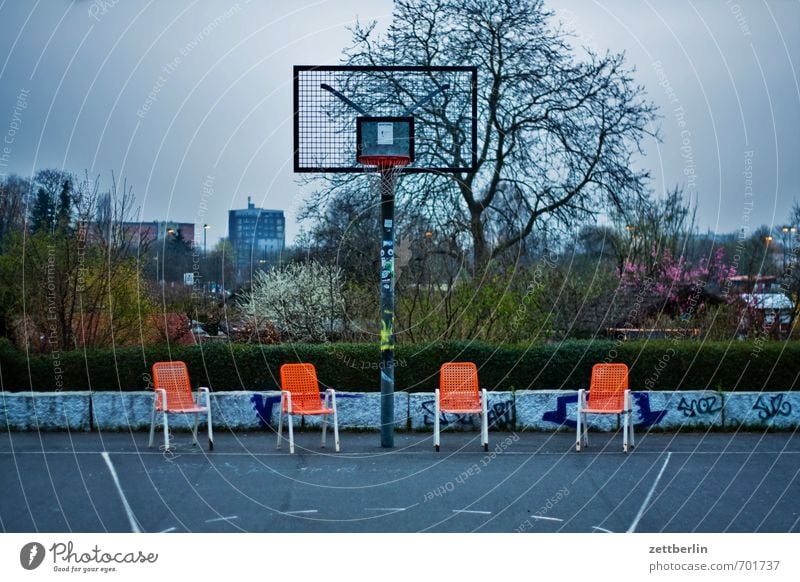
pixel 557 130
pixel 790 276
pixel 655 227
pixel 109 274
pixel 346 234
pixel 14 194
pixel 80 281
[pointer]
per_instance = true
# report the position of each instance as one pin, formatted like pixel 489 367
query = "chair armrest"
pixel 330 392
pixel 288 395
pixel 582 398
pixel 163 398
pixel 204 390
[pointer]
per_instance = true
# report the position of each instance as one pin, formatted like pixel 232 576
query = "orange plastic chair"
pixel 300 395
pixel 608 394
pixel 174 396
pixel 459 393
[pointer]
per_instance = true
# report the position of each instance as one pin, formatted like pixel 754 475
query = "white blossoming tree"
pixel 303 301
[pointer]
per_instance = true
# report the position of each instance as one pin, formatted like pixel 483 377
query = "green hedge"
pixel 661 365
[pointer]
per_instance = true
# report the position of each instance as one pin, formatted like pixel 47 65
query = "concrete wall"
pixel 45 410
pixel 543 410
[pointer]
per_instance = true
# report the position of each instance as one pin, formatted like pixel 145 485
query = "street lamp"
pixel 205 229
pixel 788 233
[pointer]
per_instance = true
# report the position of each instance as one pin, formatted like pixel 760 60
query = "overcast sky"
pixel 175 95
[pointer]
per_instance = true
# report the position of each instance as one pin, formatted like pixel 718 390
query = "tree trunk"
pixel 481 253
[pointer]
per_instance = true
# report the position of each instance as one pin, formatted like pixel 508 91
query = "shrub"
pixel 302 300
pixel 661 365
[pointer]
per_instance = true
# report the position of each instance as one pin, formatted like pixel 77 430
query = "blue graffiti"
pixel 641 400
pixel 496 413
pixel 693 407
pixel 559 415
pixel 648 417
pixel 263 406
pixel 775 407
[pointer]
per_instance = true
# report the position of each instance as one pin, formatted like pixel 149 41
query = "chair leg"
pixel 625 422
pixel 166 430
pixel 335 423
pixel 629 408
pixel 484 421
pixel 585 425
pixel 194 429
pixel 152 428
pixel 436 422
pixel 291 433
pixel 210 427
pixel 578 427
pixel 325 421
pixel 280 423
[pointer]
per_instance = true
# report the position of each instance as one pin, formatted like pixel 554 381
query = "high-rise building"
pixel 258 236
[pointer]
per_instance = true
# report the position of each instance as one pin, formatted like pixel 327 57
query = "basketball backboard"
pixel 345 117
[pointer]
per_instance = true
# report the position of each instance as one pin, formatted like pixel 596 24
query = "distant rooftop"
pixel 770 301
pixel 252 208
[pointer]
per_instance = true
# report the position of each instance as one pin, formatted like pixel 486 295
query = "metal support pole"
pixel 387 184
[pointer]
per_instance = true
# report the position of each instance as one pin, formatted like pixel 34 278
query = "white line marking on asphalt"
pixel 472 511
pixel 131 518
pixel 302 511
pixel 545 518
pixel 169 529
pixel 649 496
pixel 639 453
pixel 229 518
pixel 598 528
pixel 394 509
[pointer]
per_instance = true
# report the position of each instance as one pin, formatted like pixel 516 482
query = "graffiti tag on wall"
pixel 641 401
pixel 700 406
pixel 496 413
pixel 772 406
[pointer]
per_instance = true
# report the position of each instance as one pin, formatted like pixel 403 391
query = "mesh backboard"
pixel 329 101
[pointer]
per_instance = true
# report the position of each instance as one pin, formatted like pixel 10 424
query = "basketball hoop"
pixel 384 162
pixel 385 121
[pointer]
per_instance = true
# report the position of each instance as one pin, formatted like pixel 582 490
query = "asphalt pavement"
pixel 527 482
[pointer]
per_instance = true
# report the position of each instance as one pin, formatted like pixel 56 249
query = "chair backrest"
pixel 607 387
pixel 301 381
pixel 174 378
pixel 458 385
